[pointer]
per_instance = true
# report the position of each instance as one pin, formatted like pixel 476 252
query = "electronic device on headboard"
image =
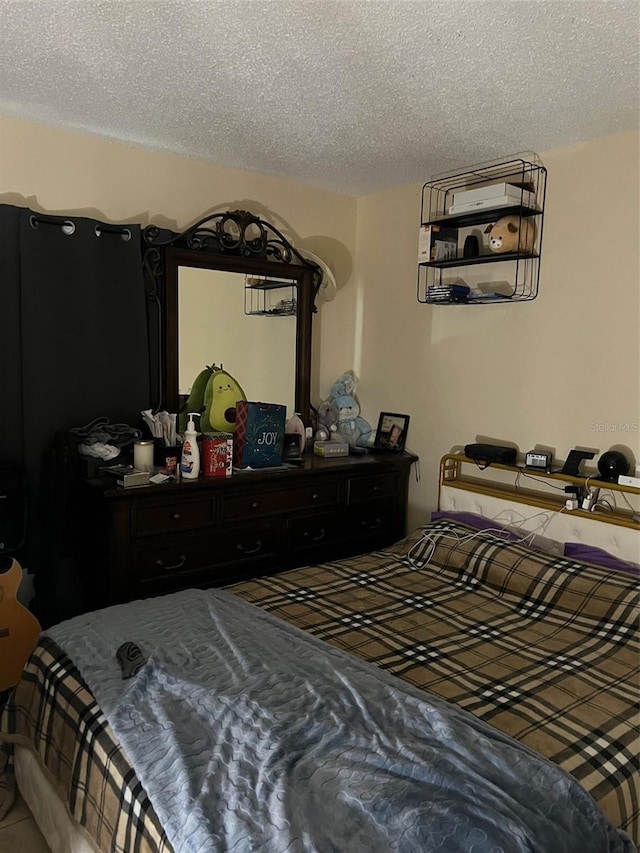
pixel 485 454
pixel 539 460
pixel 575 457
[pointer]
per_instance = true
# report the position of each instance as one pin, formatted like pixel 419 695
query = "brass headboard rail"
pixel 453 474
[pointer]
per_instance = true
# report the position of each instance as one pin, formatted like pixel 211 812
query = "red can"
pixel 217 455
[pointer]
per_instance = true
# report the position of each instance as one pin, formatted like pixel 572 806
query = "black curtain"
pixel 10 339
pixel 74 347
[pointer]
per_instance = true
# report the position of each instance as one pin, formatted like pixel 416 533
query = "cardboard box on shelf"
pixel 437 243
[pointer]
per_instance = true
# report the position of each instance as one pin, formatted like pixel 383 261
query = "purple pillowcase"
pixel 599 557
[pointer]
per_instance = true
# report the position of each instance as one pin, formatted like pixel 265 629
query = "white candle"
pixel 143 456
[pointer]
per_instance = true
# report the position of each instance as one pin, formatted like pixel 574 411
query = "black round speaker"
pixel 612 464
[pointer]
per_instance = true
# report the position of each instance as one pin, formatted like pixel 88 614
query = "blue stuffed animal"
pixel 353 429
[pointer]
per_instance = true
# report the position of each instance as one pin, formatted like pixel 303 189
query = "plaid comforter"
pixel 542 648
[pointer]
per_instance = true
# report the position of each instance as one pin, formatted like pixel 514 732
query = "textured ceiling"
pixel 350 95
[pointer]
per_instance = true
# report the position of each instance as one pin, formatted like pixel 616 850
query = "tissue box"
pixel 259 435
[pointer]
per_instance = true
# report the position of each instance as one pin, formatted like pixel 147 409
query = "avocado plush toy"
pixel 195 401
pixel 220 397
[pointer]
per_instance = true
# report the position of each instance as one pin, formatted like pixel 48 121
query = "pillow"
pixel 509 533
pixel 478 522
pixel 599 557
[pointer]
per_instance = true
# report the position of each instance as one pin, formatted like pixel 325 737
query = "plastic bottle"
pixel 294 426
pixel 190 461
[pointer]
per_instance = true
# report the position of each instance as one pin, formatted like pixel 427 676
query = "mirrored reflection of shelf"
pixel 269 297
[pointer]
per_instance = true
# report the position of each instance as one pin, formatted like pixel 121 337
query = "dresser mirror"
pixel 200 278
pixel 219 323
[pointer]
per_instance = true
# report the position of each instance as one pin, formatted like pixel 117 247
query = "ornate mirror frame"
pixel 234 241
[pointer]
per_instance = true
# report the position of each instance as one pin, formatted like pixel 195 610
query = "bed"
pixel 540 649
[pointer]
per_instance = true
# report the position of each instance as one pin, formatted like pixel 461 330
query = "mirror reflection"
pixel 258 350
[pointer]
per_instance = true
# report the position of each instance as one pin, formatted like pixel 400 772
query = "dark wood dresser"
pixel 149 540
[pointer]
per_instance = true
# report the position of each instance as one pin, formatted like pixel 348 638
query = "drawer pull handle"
pixel 315 537
pixel 315 496
pixel 375 489
pixel 253 550
pixel 372 525
pixel 179 565
pixel 175 516
pixel 255 505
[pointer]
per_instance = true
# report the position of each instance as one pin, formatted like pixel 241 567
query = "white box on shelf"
pixel 489 204
pixel 487 191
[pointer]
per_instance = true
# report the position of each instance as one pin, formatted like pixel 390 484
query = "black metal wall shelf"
pixel 482 259
pixel 436 281
pixel 477 217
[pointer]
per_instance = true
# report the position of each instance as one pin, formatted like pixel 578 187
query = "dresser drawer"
pixel 275 501
pixel 371 519
pixel 376 486
pixel 151 519
pixel 310 531
pixel 168 558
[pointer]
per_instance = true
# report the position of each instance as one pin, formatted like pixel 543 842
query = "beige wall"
pixel 55 171
pixel 553 371
pixel 549 371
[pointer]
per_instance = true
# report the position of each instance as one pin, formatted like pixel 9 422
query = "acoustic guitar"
pixel 19 629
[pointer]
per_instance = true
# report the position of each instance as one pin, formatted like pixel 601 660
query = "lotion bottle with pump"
pixel 190 461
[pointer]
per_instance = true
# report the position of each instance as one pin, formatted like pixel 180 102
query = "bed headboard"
pixel 510 494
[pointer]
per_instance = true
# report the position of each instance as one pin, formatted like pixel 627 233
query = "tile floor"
pixel 18 831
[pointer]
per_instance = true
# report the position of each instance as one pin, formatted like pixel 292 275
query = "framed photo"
pixel 392 432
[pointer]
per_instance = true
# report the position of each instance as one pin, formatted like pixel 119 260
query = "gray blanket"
pixel 250 735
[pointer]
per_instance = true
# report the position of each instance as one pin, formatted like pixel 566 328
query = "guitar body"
pixel 19 629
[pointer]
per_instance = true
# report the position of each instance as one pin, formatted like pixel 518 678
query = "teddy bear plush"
pixel 351 428
pixel 512 234
pixel 327 421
